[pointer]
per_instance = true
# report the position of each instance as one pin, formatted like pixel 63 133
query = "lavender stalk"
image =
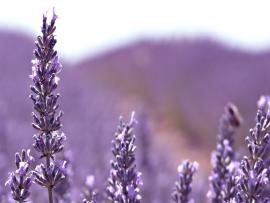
pixel 21 179
pixel 253 175
pixel 124 181
pixel 264 105
pixel 183 186
pixel 48 141
pixel 222 178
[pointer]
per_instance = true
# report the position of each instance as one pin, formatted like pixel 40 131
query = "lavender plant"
pixel 48 141
pixel 21 179
pixel 124 181
pixel 253 174
pixel 264 105
pixel 222 178
pixel 183 186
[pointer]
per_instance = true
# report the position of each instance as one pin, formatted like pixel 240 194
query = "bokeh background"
pixel 176 63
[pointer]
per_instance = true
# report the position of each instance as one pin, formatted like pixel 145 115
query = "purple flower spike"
pixel 46 118
pixel 183 186
pixel 222 178
pixel 124 181
pixel 254 172
pixel 21 180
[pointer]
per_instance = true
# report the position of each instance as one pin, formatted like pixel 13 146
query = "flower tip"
pixel 8 182
pixel 132 118
pixel 90 181
pixel 180 168
pixel 55 16
pixel 264 103
pixel 196 165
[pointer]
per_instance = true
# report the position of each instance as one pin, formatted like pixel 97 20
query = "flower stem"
pixel 50 192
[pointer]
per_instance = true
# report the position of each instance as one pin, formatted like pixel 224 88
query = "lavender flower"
pixel 183 186
pixel 48 141
pixel 253 175
pixel 222 179
pixel 49 176
pixel 89 192
pixel 21 180
pixel 264 105
pixel 124 181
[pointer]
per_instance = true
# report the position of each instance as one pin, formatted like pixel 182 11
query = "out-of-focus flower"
pixel 63 189
pixel 222 179
pixel 21 180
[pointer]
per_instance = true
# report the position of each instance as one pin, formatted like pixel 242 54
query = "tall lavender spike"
pixel 48 141
pixel 183 186
pixel 124 181
pixel 222 178
pixel 253 174
pixel 21 180
pixel 264 105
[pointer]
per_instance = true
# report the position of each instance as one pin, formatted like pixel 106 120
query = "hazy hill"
pixel 185 82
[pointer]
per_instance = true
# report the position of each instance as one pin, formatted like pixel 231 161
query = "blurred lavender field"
pixel 177 87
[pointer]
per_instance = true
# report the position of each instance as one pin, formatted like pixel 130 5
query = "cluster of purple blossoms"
pixel 223 175
pixel 183 186
pixel 45 68
pixel 253 175
pixel 48 141
pixel 124 181
pixel 21 179
pixel 264 106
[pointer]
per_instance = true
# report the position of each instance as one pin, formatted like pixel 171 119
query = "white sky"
pixel 92 26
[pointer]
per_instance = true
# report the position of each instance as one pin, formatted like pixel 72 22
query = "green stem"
pixel 50 192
